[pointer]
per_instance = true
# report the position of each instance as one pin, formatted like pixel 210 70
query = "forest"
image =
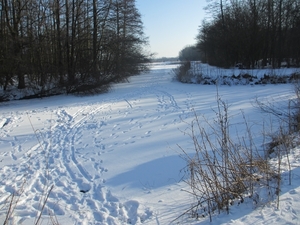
pixel 251 33
pixel 69 46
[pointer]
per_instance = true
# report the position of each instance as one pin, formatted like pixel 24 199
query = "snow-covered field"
pixel 114 159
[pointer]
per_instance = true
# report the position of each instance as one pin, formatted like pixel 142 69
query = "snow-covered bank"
pixel 113 158
pixel 201 73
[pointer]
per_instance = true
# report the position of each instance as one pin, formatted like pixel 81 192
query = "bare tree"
pixel 69 45
pixel 251 30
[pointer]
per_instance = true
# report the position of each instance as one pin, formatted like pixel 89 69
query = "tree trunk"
pixel 95 32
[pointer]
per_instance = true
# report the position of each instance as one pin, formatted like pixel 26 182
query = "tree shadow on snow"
pixel 153 174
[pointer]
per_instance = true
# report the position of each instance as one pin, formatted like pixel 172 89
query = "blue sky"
pixel 171 24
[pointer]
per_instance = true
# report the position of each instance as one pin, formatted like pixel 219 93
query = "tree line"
pixel 252 33
pixel 69 45
pixel 190 53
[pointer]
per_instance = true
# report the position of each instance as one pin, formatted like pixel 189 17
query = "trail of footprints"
pixel 55 161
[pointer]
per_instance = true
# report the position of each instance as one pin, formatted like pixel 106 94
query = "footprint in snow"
pixel 13 156
pixel 4 122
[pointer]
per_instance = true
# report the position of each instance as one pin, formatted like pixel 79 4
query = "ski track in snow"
pixel 56 159
pixel 66 150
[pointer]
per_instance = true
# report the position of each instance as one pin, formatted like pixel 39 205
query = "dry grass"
pixel 223 173
pixel 15 197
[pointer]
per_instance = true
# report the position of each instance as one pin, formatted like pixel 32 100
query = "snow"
pixel 113 158
pixel 215 72
pixel 205 74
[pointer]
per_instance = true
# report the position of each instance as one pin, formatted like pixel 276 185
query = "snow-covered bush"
pixel 182 73
pixel 200 73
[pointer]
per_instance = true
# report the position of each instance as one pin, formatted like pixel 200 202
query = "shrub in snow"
pixel 221 172
pixel 199 73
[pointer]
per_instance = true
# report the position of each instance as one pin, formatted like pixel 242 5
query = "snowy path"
pixel 112 158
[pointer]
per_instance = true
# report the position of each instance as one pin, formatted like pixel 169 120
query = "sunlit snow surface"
pixel 113 158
